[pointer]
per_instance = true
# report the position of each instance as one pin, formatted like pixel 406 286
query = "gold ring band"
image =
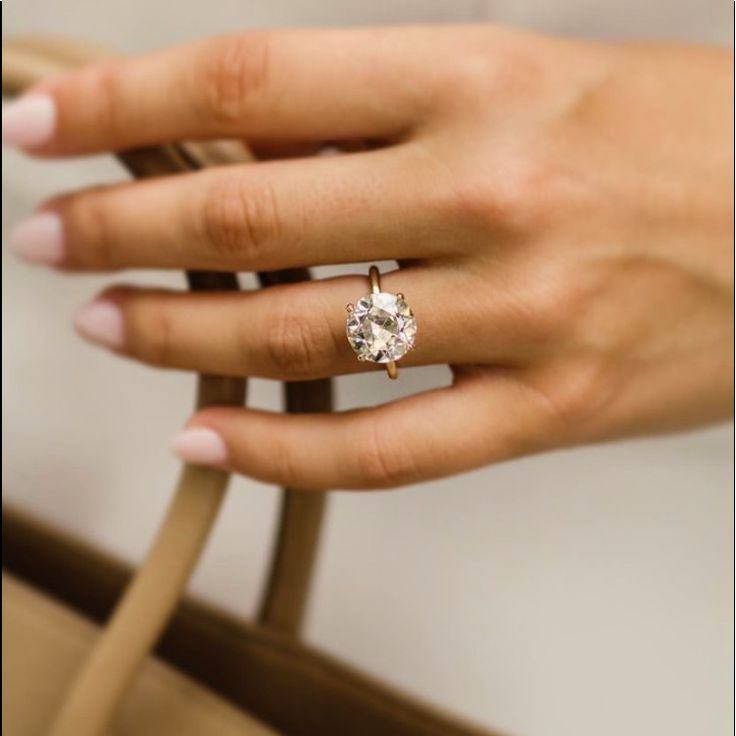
pixel 374 278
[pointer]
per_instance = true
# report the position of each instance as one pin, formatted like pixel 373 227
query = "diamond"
pixel 381 327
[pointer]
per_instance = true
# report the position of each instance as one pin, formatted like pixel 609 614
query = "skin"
pixel 569 202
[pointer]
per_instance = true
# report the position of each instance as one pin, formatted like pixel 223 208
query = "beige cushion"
pixel 45 644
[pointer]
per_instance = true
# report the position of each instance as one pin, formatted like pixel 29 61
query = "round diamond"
pixel 381 327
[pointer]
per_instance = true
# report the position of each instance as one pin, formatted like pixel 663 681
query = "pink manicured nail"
pixel 200 446
pixel 102 323
pixel 39 239
pixel 29 121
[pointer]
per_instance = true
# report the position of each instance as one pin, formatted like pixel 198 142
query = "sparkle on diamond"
pixel 381 327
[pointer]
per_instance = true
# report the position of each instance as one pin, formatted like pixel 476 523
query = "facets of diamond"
pixel 381 327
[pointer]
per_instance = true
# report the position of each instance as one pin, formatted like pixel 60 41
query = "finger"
pixel 484 417
pixel 296 331
pixel 267 216
pixel 304 84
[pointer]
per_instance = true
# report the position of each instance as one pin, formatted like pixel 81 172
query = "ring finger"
pixel 291 332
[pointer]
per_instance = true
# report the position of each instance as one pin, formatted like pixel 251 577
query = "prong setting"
pixel 381 327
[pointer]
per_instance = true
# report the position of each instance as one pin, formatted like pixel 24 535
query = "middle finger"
pixel 249 217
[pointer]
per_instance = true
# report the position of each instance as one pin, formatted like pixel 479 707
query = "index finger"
pixel 289 85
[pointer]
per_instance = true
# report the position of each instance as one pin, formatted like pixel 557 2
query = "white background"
pixel 583 593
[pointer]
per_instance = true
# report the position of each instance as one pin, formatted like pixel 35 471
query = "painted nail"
pixel 200 446
pixel 29 121
pixel 101 322
pixel 39 239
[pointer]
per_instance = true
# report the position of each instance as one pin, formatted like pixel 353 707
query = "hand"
pixel 561 212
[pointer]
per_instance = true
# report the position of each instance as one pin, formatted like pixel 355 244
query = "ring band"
pixel 374 278
pixel 381 327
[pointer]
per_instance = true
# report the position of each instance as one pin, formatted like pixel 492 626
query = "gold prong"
pixel 349 307
pixel 361 358
pixel 392 369
pixel 400 295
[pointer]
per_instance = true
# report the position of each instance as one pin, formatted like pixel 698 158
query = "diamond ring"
pixel 381 327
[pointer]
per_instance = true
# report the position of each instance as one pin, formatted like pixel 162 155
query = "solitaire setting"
pixel 381 328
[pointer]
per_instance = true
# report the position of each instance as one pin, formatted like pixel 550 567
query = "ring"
pixel 381 327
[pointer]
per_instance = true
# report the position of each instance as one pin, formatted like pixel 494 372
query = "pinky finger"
pixel 483 417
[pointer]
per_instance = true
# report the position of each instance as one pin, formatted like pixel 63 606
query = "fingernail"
pixel 102 323
pixel 200 446
pixel 39 239
pixel 29 121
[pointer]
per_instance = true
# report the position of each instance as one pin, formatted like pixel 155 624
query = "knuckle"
pixel 295 345
pixel 474 202
pixel 516 68
pixel 235 71
pixel 522 198
pixel 502 64
pixel 546 306
pixel 563 301
pixel 584 395
pixel 468 79
pixel 383 462
pixel 105 81
pixel 93 234
pixel 151 333
pixel 239 220
pixel 575 396
pixel 515 199
pixel 288 469
pixel 505 66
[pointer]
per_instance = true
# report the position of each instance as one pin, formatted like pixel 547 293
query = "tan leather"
pixel 45 644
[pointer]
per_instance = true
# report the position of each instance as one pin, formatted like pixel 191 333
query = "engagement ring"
pixel 381 327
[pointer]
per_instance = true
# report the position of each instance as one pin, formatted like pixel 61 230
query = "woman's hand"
pixel 561 212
